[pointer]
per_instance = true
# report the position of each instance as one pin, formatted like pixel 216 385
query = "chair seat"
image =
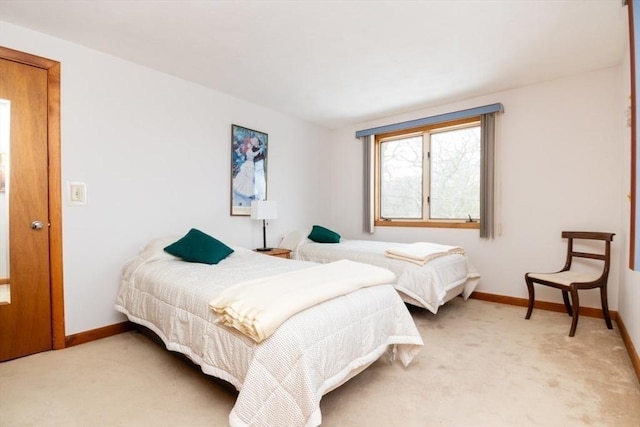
pixel 566 277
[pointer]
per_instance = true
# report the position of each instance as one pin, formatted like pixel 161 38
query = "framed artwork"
pixel 248 168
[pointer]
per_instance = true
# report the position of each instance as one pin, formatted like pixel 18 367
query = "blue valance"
pixel 456 115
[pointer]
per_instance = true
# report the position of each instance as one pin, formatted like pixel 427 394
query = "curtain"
pixel 487 176
pixel 368 193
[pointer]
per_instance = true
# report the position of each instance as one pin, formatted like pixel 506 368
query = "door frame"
pixel 55 186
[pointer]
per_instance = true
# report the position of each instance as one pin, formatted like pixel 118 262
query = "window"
pixel 429 175
pixel 437 189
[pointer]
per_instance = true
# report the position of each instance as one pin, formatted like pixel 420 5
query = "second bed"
pixel 429 286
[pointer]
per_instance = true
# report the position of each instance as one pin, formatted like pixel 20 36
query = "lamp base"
pixel 263 249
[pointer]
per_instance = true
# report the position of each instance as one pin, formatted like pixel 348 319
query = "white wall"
pixel 629 298
pixel 560 155
pixel 154 152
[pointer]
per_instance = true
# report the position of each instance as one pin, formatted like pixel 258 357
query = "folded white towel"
pixel 421 252
pixel 257 307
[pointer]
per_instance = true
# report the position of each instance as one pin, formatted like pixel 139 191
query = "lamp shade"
pixel 264 209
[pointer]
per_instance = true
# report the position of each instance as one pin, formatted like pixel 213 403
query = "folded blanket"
pixel 421 252
pixel 257 307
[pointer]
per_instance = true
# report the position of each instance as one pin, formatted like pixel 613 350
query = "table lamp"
pixel 264 210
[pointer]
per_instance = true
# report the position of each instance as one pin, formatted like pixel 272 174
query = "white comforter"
pixel 282 379
pixel 423 285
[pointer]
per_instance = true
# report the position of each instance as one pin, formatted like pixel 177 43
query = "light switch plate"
pixel 76 193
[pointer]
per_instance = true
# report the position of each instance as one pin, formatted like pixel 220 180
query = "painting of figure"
pixel 248 168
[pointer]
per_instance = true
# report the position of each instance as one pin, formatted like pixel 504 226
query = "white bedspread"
pixel 282 379
pixel 424 285
pixel 257 307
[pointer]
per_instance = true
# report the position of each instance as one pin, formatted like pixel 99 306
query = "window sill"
pixel 431 224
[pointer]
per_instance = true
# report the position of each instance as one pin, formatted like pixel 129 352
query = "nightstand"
pixel 280 253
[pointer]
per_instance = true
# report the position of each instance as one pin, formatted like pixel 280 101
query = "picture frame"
pixel 249 149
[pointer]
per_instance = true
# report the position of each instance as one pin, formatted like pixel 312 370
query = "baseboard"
pixel 96 334
pixel 633 354
pixel 584 311
pixel 542 305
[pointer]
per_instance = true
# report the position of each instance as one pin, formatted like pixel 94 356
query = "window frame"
pixel 422 222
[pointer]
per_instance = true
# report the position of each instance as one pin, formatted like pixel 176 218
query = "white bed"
pixel 429 286
pixel 281 379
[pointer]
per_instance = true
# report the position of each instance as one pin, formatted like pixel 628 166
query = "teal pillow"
pixel 197 246
pixel 323 235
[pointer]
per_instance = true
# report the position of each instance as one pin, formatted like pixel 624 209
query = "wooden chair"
pixel 569 282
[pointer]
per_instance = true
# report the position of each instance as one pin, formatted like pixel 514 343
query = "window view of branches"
pixel 431 175
pixel 455 174
pixel 401 183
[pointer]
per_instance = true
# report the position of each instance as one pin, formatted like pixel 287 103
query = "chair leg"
pixel 605 307
pixel 576 311
pixel 567 304
pixel 532 296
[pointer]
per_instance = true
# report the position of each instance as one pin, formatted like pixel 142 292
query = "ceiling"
pixel 336 63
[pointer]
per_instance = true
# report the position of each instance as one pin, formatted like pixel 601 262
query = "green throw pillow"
pixel 323 235
pixel 197 246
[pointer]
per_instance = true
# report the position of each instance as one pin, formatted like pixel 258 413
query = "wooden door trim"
pixel 55 186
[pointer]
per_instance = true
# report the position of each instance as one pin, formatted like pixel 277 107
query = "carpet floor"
pixel 482 364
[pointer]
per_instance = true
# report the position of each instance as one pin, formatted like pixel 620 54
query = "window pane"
pixel 455 174
pixel 401 178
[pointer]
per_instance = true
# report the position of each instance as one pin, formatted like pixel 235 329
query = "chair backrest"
pixel 607 238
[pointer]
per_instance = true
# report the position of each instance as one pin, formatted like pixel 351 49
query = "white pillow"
pixel 294 239
pixel 154 249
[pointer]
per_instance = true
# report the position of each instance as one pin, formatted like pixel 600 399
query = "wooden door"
pixel 25 316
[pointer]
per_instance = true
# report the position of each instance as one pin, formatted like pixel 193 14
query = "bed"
pixel 428 286
pixel 280 380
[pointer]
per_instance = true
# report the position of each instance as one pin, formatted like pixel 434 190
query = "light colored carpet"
pixel 483 364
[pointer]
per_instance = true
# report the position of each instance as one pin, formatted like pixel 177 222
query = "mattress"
pixel 427 286
pixel 280 380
